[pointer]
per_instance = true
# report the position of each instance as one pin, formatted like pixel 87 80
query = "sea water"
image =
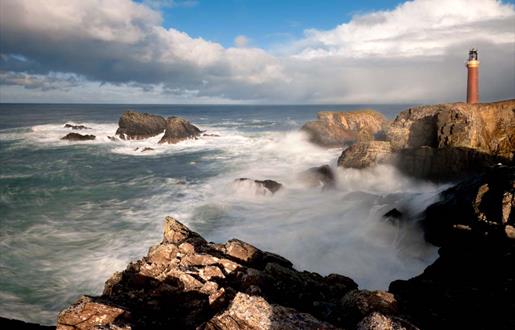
pixel 72 213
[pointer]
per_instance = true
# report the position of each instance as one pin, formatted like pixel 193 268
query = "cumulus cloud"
pixel 412 53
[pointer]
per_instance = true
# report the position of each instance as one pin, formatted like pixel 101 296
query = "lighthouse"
pixel 473 77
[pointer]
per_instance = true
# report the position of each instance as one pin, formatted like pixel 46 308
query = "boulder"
pixel 78 137
pixel 186 283
pixel 261 186
pixel 366 154
pixel 378 321
pixel 319 176
pixel 359 303
pixel 335 129
pixel 136 125
pixel 255 313
pixel 178 129
pixel 79 127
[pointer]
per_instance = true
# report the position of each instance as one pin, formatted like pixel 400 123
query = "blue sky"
pixel 264 22
pixel 253 51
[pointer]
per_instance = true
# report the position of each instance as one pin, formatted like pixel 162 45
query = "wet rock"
pixel 77 127
pixel 474 273
pixel 366 154
pixel 147 149
pixel 211 135
pixel 319 176
pixel 393 213
pixel 262 185
pixel 482 205
pixel 78 137
pixel 335 129
pixel 112 138
pixel 179 129
pixel 134 125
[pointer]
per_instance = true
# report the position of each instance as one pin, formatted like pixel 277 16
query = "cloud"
pixel 412 53
pixel 241 41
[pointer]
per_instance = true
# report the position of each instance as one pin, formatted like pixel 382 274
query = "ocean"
pixel 73 213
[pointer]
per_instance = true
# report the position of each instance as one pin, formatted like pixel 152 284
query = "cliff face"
pixel 444 141
pixel 187 283
pixel 335 129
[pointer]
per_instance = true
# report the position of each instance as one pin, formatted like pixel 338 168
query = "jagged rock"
pixel 255 313
pixel 359 303
pixel 474 274
pixel 319 176
pixel 449 141
pixel 178 129
pixel 90 313
pixel 335 129
pixel 78 137
pixel 262 186
pixel 378 321
pixel 136 125
pixel 75 126
pixel 483 204
pixel 366 154
pixel 186 282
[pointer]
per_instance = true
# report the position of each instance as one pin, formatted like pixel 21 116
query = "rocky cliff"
pixel 335 129
pixel 444 141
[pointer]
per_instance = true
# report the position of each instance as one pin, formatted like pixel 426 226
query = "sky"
pixel 253 51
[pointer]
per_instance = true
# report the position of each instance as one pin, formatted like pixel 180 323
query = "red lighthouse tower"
pixel 473 77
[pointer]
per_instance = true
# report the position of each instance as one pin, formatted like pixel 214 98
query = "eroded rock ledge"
pixel 186 283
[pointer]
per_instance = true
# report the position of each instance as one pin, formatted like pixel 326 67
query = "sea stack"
pixel 473 77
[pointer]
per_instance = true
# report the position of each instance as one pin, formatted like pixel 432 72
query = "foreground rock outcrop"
pixel 442 142
pixel 472 283
pixel 187 283
pixel 335 129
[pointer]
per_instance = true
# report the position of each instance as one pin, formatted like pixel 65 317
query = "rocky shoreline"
pixel 186 282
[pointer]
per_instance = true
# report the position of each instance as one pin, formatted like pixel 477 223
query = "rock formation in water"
pixel 178 129
pixel 136 126
pixel 472 283
pixel 335 129
pixel 319 176
pixel 78 137
pixel 442 142
pixel 75 127
pixel 263 185
pixel 187 283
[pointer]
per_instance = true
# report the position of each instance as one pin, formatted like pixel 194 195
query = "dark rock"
pixel 268 185
pixel 136 126
pixel 76 126
pixel 482 205
pixel 78 137
pixel 113 138
pixel 335 129
pixel 6 323
pixel 471 285
pixel 359 303
pixel 212 135
pixel 319 176
pixel 178 129
pixel 393 213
